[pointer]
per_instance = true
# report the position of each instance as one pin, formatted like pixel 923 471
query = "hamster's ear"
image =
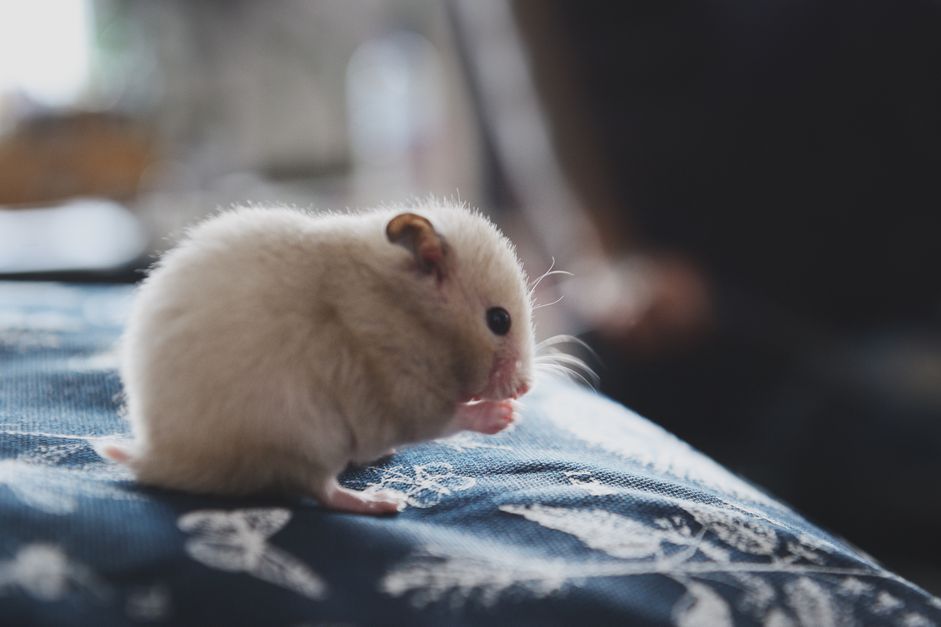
pixel 419 237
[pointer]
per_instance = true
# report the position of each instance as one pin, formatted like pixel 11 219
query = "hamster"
pixel 273 347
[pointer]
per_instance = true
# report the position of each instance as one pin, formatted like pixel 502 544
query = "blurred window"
pixel 52 75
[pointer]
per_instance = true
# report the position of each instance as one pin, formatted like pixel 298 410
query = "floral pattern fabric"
pixel 580 513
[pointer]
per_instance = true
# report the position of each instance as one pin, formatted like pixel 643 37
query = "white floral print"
pixel 434 575
pixel 45 572
pixel 467 441
pixel 693 548
pixel 237 541
pixel 37 480
pixel 423 485
pixel 586 481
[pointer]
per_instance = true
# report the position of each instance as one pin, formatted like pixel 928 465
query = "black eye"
pixel 498 319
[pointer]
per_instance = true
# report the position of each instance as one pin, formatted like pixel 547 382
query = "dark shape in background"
pixel 774 170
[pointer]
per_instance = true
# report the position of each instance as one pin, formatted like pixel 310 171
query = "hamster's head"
pixel 474 291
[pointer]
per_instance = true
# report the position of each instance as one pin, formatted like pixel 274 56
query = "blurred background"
pixel 748 194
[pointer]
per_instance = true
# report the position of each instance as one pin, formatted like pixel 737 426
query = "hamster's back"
pixel 214 356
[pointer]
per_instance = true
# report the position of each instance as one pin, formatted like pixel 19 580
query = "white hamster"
pixel 272 347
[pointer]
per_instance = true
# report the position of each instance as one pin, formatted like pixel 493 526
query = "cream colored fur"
pixel 273 347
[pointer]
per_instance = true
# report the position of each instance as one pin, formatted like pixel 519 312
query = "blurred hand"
pixel 651 304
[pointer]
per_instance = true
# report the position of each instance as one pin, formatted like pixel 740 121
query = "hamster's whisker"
pixel 563 338
pixel 547 346
pixel 539 279
pixel 552 360
pixel 551 271
pixel 569 362
pixel 569 373
pixel 548 273
pixel 555 302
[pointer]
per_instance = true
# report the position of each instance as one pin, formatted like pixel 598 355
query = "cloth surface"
pixel 581 513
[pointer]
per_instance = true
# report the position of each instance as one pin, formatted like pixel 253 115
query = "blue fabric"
pixel 582 513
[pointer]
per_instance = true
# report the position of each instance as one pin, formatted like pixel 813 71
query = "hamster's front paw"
pixel 486 417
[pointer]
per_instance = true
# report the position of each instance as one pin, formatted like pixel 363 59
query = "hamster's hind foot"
pixel 336 497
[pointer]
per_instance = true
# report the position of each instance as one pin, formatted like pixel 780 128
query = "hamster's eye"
pixel 498 320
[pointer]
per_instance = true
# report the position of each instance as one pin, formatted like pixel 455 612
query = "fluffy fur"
pixel 273 347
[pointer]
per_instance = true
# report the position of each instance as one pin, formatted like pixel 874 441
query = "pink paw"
pixel 498 419
pixel 487 417
pixel 378 503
